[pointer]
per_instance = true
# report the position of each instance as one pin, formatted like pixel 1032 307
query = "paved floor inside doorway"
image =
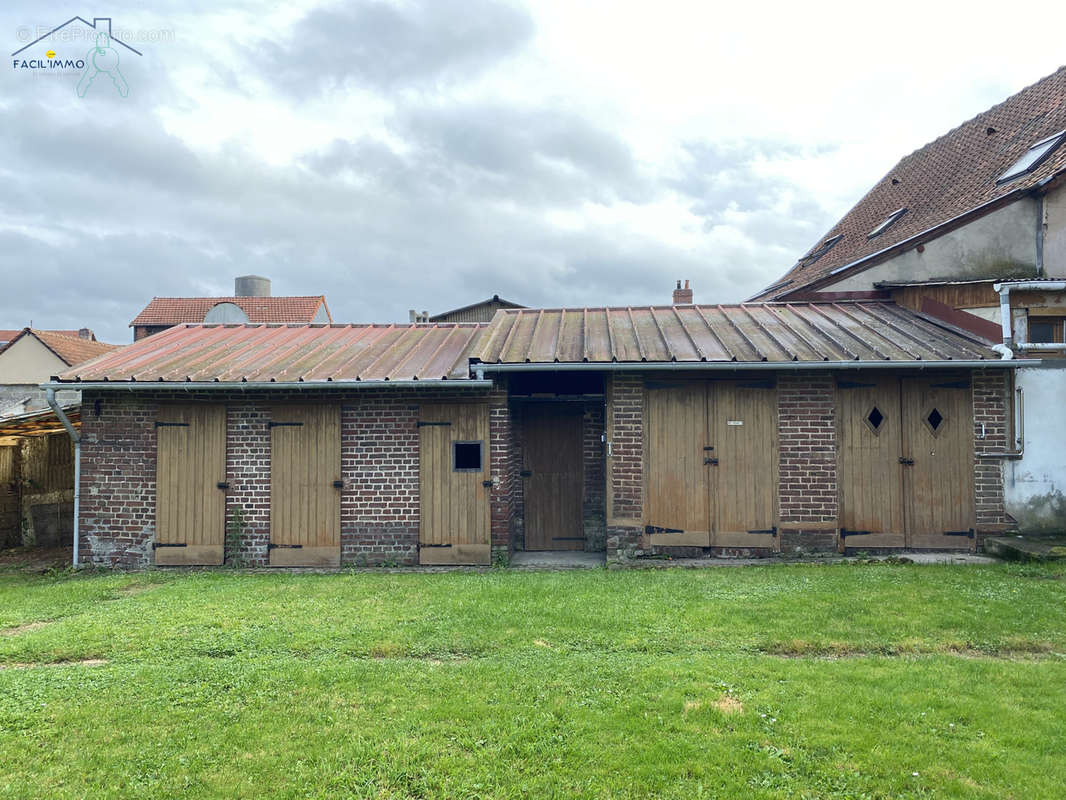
pixel 558 559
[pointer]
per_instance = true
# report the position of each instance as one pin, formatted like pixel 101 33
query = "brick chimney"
pixel 682 297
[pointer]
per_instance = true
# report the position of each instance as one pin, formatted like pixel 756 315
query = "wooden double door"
pixel 906 462
pixel 711 463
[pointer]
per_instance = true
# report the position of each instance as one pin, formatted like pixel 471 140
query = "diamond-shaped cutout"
pixel 935 420
pixel 875 418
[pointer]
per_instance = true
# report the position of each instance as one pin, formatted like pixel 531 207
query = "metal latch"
pixel 967 533
pixel 771 530
pixel 338 484
pixel 168 544
pixel 657 529
pixel 487 484
pixel 172 424
pixel 526 473
pixel 845 533
pixel 273 546
pixel 222 484
pixel 713 461
pixel 908 461
pixel 273 424
pixel 421 424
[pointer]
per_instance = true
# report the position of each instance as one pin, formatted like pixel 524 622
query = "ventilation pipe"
pixel 251 286
pixel 1006 321
pixel 50 395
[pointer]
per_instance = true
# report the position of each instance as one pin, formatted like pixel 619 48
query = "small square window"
pixel 466 456
pixel 1045 330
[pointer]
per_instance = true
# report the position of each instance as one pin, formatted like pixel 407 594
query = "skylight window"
pixel 1033 157
pixel 888 223
pixel 822 249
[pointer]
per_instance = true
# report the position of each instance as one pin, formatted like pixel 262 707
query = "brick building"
pixel 684 429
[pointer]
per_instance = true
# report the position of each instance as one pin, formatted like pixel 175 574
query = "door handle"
pixel 908 461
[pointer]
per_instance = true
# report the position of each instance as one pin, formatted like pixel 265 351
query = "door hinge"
pixel 273 546
pixel 172 424
pixel 421 424
pixel 222 484
pixel 168 544
pixel 771 530
pixel 420 545
pixel 908 461
pixel 568 538
pixel 657 529
pixel 708 448
pixel 273 424
pixel 967 533
pixel 756 385
pixel 845 533
pixel 854 385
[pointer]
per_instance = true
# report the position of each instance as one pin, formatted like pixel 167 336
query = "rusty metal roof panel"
pixel 752 332
pixel 290 354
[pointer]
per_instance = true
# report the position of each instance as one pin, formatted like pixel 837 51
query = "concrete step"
pixel 1027 548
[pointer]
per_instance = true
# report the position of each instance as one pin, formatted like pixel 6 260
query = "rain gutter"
pixel 200 386
pixel 736 366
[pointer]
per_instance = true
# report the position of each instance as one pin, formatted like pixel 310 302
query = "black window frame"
pixel 480 455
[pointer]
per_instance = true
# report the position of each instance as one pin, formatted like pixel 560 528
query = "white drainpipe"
pixel 1004 290
pixel 50 394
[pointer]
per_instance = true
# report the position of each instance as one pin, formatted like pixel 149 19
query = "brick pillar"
pixel 991 409
pixel 807 465
pixel 625 464
pixel 248 473
pixel 501 441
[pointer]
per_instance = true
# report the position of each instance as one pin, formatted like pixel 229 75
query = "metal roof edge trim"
pixel 638 366
pixel 244 385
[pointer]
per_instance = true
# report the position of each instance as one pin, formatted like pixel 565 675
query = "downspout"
pixel 50 395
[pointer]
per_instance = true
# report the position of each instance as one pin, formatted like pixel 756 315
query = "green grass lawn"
pixel 768 682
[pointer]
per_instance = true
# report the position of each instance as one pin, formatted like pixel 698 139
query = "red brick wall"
pixel 379 465
pixel 991 431
pixel 625 464
pixel 807 461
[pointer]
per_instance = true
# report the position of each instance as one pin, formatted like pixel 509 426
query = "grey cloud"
pixel 384 45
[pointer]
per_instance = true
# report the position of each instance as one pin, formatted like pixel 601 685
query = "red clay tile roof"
pixel 947 178
pixel 291 353
pixel 175 310
pixel 7 336
pixel 70 349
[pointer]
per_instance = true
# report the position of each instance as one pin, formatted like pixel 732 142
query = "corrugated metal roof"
pixel 175 310
pixel 290 353
pixel 772 332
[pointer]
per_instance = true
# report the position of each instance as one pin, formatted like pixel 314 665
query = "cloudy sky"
pixel 397 154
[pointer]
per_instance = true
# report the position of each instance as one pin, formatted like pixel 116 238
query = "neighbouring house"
pixel 36 456
pixel 685 429
pixel 971 230
pixel 475 312
pixel 251 302
pixel 31 356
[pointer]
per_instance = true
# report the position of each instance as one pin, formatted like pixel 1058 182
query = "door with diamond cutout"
pixel 938 463
pixel 871 486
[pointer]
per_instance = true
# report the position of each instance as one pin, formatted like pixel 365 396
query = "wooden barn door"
pixel 10 531
pixel 871 441
pixel 305 485
pixel 743 435
pixel 454 484
pixel 553 488
pixel 677 494
pixel 190 512
pixel 938 462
